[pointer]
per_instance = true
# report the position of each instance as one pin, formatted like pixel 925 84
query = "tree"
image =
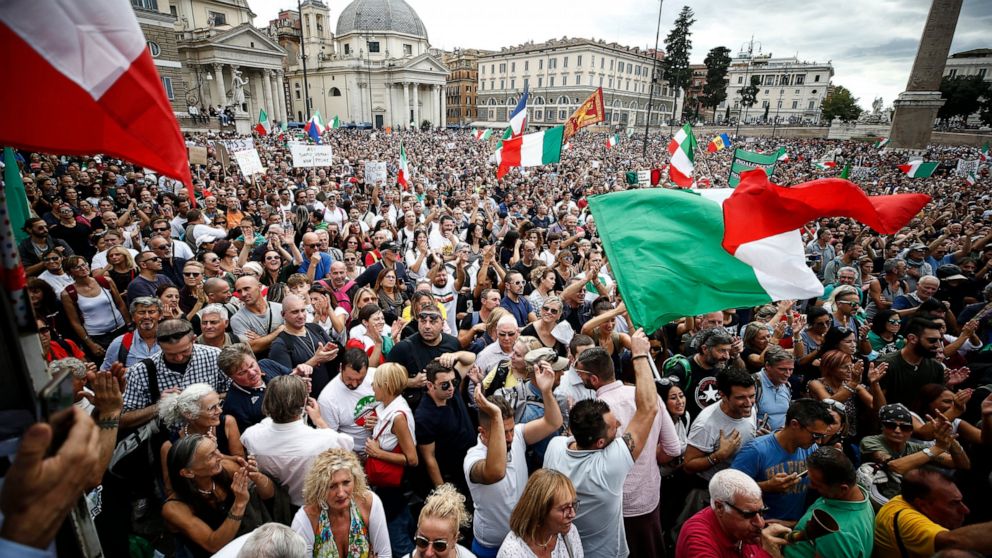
pixel 840 104
pixel 962 96
pixel 678 47
pixel 715 91
pixel 749 94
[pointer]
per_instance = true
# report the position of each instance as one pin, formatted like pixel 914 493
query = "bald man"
pixel 316 264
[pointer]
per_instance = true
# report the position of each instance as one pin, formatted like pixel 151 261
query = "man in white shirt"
pixel 111 239
pixel 496 468
pixel 284 446
pixel 596 459
pixel 348 399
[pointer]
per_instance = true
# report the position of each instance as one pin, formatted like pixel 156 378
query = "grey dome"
pixel 380 15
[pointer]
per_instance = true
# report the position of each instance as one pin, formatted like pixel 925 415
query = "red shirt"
pixel 703 537
pixel 58 351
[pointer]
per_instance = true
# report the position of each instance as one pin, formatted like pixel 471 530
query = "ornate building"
pixel 788 89
pixel 159 26
pixel 462 86
pixel 562 73
pixel 377 67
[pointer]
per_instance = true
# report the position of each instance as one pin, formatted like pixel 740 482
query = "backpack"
pixel 125 348
pixel 149 436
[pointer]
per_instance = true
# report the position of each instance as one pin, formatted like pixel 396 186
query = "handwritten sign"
pixel 311 155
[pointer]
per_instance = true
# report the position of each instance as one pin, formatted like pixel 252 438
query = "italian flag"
pixel 971 179
pixel 682 253
pixel 263 123
pixel 612 141
pixel 881 143
pixel 784 157
pixel 482 135
pixel 529 150
pixel 918 169
pixel 826 165
pixel 334 123
pixel 983 155
pixel 682 152
pixel 404 174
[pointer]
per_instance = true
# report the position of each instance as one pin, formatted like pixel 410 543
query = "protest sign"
pixel 197 155
pixel 375 172
pixel 248 162
pixel 311 155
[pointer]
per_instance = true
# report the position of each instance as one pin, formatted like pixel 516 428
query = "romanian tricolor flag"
pixel 720 142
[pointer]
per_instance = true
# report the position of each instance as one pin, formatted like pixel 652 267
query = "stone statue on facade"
pixel 238 90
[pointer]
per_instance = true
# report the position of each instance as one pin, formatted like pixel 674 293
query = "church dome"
pixel 380 16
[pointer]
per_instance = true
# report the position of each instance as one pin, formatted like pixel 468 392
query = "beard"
pixel 921 351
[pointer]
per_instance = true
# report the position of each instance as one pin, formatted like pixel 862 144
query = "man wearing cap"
pixel 916 264
pixel 527 402
pixel 822 250
pixel 900 455
pixel 642 488
pixel 390 259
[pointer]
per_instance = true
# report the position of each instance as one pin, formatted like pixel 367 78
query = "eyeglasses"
pixel 192 273
pixel 350 259
pixel 853 303
pixel 152 259
pixel 52 259
pixel 837 406
pixel 273 258
pixel 817 436
pixel 550 310
pixel 216 406
pixel 430 318
pixel 79 266
pixel 311 245
pixel 505 334
pixel 669 381
pixel 444 386
pixel 892 425
pixel 570 508
pixel 516 282
pixel 747 514
pixel 423 542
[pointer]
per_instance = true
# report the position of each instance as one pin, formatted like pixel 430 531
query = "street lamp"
pixel 654 72
pixel 747 83
pixel 303 57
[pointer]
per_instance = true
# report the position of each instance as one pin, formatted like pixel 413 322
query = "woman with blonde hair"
pixel 363 296
pixel 549 314
pixel 541 523
pixel 441 518
pixel 340 515
pixel 120 268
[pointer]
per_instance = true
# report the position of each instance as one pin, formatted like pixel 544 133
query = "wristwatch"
pixel 929 453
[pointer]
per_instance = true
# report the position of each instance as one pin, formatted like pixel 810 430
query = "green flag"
pixel 846 172
pixel 631 177
pixel 17 199
pixel 747 160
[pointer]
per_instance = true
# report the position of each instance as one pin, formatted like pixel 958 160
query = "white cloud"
pixel 870 43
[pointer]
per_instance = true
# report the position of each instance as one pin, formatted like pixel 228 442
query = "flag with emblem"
pixel 682 152
pixel 881 143
pixel 826 165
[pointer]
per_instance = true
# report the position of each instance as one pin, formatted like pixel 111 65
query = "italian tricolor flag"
pixel 529 150
pixel 682 152
pixel 826 165
pixel 882 143
pixel 682 253
pixel 263 123
pixel 983 154
pixel 971 179
pixel 482 135
pixel 612 141
pixel 403 176
pixel 784 157
pixel 334 123
pixel 918 169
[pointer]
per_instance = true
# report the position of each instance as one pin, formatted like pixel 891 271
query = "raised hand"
pixel 956 376
pixel 544 376
pixel 877 372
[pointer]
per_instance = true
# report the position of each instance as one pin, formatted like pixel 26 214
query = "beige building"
pixel 791 90
pixel 976 62
pixel 561 74
pixel 376 67
pixel 159 27
pixel 462 88
pixel 226 60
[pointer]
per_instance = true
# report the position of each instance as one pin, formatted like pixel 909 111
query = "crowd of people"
pixel 304 363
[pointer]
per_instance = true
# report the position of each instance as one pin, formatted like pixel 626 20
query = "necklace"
pixel 210 492
pixel 547 542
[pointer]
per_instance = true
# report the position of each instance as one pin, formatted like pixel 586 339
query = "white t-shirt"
pixel 340 407
pixel 704 434
pixel 494 502
pixel 598 476
pixel 515 547
pixel 336 216
pixel 286 451
pixel 447 297
pixel 57 282
pixel 378 533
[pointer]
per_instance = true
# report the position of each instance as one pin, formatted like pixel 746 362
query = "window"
pixel 513 66
pixel 770 80
pixel 540 64
pixel 540 82
pixel 551 81
pixel 482 85
pixel 526 65
pixel 373 46
pixel 612 62
pixel 563 100
pixel 347 48
pixel 766 91
pixel 816 78
pixel 564 81
pixel 578 60
pixel 562 115
pixel 797 91
pixel 539 115
pixel 630 68
pixel 502 68
pixel 814 91
pixel 780 103
pixel 590 80
pixel 611 83
pixel 492 68
pixel 600 81
pixel 407 50
pixel 601 62
pixel 513 84
pixel 154 49
pixel 167 83
pixel 795 104
pixel 298 94
pixel 174 11
pixel 213 18
pixel 564 62
pixel 981 72
pixel 811 105
pixel 783 79
pixel 526 83
pixel 740 79
pixel 145 4
pixel 953 72
pixel 335 92
pixel 552 64
pixel 502 84
pixel 800 79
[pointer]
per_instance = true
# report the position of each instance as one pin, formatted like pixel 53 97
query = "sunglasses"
pixel 191 273
pixel 506 334
pixel 52 259
pixel 896 321
pixel 837 406
pixel 273 258
pixel 669 381
pixel 817 436
pixel 747 514
pixel 161 230
pixel 44 330
pixel 550 310
pixel 155 259
pixel 422 542
pixel 849 302
pixel 427 317
pixel 444 386
pixel 898 426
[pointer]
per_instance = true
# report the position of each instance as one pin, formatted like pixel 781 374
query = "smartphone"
pixel 58 395
pixel 804 473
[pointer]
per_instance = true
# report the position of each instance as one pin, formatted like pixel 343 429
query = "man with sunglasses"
pixel 915 365
pixel 172 265
pixel 444 431
pixel 417 351
pixel 733 525
pixel 775 460
pixel 149 278
pixel 893 448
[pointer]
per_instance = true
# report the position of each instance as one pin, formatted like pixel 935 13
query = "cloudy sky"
pixel 871 43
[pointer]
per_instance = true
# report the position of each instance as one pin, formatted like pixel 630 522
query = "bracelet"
pixel 235 517
pixel 848 388
pixel 711 460
pixel 109 423
pixel 635 357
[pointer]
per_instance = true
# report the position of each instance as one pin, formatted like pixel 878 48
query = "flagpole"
pixel 303 57
pixel 654 70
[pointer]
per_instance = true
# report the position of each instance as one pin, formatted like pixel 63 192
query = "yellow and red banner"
pixel 589 113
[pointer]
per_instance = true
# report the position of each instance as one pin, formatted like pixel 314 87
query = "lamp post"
pixel 778 106
pixel 654 71
pixel 747 83
pixel 303 57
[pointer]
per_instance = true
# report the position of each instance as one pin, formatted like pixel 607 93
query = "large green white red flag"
pixel 403 177
pixel 682 152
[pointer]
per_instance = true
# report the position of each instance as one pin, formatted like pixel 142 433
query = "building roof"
pixel 380 16
pixel 974 53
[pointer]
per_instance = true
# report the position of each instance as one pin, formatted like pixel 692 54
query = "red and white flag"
pixel 403 176
pixel 81 81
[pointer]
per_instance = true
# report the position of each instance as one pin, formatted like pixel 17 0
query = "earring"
pixel 323 506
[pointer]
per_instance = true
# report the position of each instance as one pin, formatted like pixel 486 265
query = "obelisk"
pixel 916 107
